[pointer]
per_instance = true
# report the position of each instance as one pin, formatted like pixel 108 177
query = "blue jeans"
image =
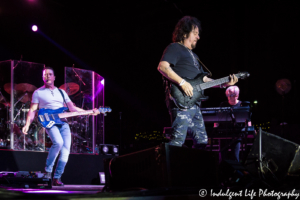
pixel 188 121
pixel 61 141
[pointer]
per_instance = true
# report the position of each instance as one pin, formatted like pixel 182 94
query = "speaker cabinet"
pixel 163 166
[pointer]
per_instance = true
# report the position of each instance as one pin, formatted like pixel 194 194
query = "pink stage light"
pixel 34 28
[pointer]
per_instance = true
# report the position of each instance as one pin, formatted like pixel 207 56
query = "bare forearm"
pixel 76 109
pixel 30 117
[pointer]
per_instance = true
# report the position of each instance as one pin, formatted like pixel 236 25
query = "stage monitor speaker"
pixel 163 166
pixel 280 157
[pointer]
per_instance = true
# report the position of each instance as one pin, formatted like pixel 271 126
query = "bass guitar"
pixel 183 101
pixel 49 117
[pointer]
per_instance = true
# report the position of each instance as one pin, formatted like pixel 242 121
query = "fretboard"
pixel 72 114
pixel 213 83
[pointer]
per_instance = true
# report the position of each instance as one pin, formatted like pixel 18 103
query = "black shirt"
pixel 181 61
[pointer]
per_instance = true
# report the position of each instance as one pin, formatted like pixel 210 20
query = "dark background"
pixel 123 41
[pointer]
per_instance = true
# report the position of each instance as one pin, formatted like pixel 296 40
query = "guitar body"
pixel 48 117
pixel 184 101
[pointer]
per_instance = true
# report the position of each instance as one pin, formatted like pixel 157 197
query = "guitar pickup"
pixel 52 116
pixel 47 117
pixel 41 118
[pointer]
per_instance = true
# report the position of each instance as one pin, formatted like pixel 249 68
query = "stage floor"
pixel 92 192
pixel 66 189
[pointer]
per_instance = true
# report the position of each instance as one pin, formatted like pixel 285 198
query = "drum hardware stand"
pixel 6 104
pixel 19 112
pixel 74 136
pixel 23 122
pixel 74 142
pixel 86 129
pixel 82 100
pixel 20 98
pixel 14 119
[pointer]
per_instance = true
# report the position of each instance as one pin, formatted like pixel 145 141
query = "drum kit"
pixel 35 140
pixel 23 94
pixel 79 125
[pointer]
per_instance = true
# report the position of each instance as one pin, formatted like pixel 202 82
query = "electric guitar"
pixel 49 117
pixel 183 101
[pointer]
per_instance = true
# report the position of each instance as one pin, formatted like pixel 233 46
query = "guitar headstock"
pixel 242 75
pixel 104 110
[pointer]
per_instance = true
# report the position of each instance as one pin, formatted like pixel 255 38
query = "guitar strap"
pixel 62 94
pixel 210 74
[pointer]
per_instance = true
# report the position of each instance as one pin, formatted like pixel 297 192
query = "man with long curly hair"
pixel 179 62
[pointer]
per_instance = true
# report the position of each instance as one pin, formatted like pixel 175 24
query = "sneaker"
pixel 57 182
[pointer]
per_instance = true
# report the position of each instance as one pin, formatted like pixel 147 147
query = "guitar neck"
pixel 73 114
pixel 213 83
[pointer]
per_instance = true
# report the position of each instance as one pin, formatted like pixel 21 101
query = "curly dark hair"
pixel 185 26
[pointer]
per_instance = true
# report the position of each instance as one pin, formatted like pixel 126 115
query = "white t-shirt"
pixel 44 97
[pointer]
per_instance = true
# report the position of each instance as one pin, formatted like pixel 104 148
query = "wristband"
pixel 182 82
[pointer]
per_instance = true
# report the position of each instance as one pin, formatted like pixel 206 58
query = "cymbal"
pixel 7 87
pixel 6 104
pixel 82 95
pixel 70 88
pixel 27 97
pixel 25 87
pixel 3 102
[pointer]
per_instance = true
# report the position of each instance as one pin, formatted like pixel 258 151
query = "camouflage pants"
pixel 188 121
